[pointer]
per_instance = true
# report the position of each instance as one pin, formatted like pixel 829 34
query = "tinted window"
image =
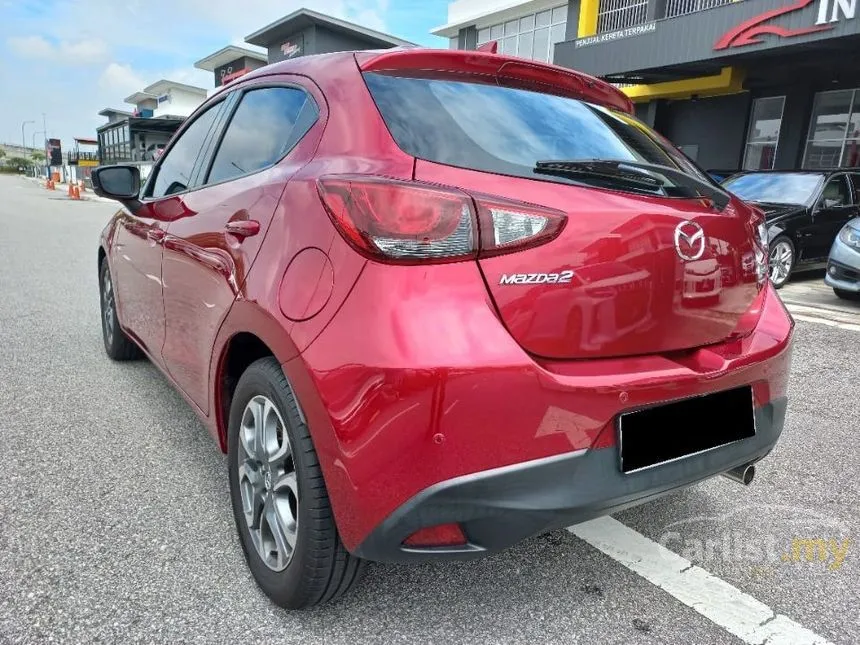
pixel 855 179
pixel 266 125
pixel 174 174
pixel 507 129
pixel 775 187
pixel 836 192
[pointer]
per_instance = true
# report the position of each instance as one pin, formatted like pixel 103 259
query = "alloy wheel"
pixel 108 306
pixel 781 259
pixel 267 483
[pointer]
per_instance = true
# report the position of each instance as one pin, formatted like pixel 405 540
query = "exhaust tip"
pixel 742 474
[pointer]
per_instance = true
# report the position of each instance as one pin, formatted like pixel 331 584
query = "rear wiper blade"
pixel 719 197
pixel 599 169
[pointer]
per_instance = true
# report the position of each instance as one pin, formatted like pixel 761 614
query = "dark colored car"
pixel 720 175
pixel 805 210
pixel 429 314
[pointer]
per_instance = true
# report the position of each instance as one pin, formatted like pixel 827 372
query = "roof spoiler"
pixel 488 63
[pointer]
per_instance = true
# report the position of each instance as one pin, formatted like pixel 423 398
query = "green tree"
pixel 2 154
pixel 38 156
pixel 19 162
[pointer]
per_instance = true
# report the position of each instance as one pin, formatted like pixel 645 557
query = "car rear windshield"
pixel 494 128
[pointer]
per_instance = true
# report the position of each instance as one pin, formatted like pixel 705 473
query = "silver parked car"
pixel 843 265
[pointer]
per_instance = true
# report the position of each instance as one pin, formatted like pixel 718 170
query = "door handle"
pixel 156 235
pixel 243 227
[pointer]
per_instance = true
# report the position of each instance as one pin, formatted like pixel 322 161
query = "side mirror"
pixel 121 183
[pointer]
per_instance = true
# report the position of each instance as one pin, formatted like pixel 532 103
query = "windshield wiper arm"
pixel 599 169
pixel 624 169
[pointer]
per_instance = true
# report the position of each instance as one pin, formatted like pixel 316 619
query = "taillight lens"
pixel 512 226
pixel 760 247
pixel 408 221
pixel 401 221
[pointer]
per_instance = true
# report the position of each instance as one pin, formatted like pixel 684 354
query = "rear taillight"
pixel 407 221
pixel 760 246
pixel 399 220
pixel 512 226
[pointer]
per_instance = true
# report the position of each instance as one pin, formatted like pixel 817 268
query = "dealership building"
pixel 303 32
pixel 745 84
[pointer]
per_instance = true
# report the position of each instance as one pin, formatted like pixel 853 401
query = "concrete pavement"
pixel 116 523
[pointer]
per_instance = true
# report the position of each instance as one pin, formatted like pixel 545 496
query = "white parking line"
pixel 715 599
pixel 844 319
pixel 826 321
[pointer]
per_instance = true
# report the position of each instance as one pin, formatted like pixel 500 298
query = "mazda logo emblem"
pixel 689 241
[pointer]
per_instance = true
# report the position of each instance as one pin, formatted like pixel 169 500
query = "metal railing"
pixel 619 14
pixel 74 156
pixel 683 7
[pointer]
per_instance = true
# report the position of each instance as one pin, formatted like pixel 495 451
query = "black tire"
pixel 319 569
pixel 847 295
pixel 786 242
pixel 118 346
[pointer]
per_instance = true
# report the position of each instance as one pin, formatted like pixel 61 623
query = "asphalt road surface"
pixel 116 523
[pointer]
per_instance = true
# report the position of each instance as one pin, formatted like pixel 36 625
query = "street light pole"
pixel 23 140
pixel 34 138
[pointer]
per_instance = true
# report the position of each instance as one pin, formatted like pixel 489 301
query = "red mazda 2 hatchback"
pixel 432 303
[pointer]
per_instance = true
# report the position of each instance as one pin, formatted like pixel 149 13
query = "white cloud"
pixel 67 52
pixel 371 19
pixel 84 51
pixel 121 80
pixel 189 76
pixel 31 46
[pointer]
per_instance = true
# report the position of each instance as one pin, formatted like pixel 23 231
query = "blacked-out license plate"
pixel 671 431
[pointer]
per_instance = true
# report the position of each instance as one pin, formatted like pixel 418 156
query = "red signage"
pixel 750 31
pixel 291 49
pixel 234 75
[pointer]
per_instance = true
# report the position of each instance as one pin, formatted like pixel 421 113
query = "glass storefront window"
pixel 834 131
pixel 531 36
pixel 763 136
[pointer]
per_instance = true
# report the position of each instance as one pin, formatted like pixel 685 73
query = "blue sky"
pixel 71 58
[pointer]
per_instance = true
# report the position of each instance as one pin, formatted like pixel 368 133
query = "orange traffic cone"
pixel 77 192
pixel 71 190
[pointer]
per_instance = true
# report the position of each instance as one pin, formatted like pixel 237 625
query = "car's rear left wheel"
pixel 279 498
pixel 117 345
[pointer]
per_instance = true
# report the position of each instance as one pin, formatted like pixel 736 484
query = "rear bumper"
pixel 431 389
pixel 500 507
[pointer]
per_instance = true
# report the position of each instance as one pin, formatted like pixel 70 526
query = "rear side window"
pixel 267 123
pixel 174 172
pixel 505 129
